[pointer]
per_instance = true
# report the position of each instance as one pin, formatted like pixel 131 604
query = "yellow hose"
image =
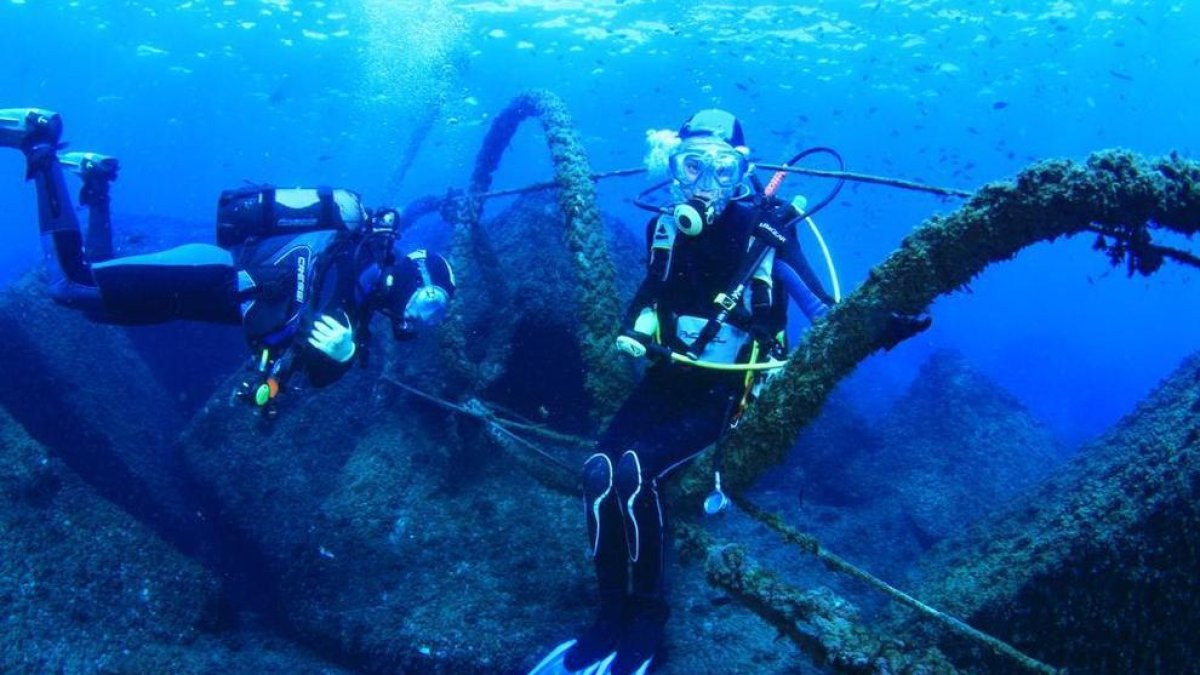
pixel 741 367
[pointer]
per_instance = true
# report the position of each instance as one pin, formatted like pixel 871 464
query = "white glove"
pixel 647 322
pixel 333 339
pixel 631 346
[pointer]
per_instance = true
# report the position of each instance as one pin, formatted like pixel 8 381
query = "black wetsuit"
pixel 275 287
pixel 675 411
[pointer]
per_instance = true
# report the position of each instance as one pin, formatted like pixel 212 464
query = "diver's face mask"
pixel 702 164
pixel 706 172
pixel 427 305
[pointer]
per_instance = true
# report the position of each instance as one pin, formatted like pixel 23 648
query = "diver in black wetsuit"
pixel 301 270
pixel 724 239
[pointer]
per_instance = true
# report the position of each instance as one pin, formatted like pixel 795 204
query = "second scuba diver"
pixel 301 270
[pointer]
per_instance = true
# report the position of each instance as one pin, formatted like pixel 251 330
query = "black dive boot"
pixel 599 641
pixel 593 651
pixel 641 636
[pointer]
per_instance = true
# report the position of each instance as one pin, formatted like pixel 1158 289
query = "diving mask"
pixel 693 161
pixel 427 305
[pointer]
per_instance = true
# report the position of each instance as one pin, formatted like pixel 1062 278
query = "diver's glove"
pixel 631 346
pixel 332 339
pixel 633 342
pixel 899 327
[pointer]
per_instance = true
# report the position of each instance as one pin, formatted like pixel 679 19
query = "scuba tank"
pixel 260 212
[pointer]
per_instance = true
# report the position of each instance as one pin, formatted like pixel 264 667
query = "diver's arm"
pixel 332 299
pixel 802 285
pixel 656 270
pixel 793 272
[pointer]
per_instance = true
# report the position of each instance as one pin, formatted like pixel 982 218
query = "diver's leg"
pixel 645 535
pixel 606 532
pixel 611 560
pixel 98 172
pixel 37 133
pixel 692 412
pixel 196 282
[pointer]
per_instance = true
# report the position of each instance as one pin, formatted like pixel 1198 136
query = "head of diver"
pixel 412 290
pixel 708 167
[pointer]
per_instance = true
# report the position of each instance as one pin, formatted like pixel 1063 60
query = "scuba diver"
pixel 725 238
pixel 301 270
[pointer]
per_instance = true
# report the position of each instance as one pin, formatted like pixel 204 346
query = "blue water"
pixel 195 96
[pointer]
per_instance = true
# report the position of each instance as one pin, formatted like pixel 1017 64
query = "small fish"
pixel 1121 76
pixel 999 105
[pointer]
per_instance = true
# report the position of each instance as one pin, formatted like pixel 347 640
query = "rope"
pixel 777 168
pixel 480 411
pixel 467 198
pixel 867 178
pixel 553 184
pixel 810 545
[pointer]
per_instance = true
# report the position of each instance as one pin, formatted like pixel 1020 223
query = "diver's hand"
pixel 631 346
pixel 332 339
pixel 899 327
